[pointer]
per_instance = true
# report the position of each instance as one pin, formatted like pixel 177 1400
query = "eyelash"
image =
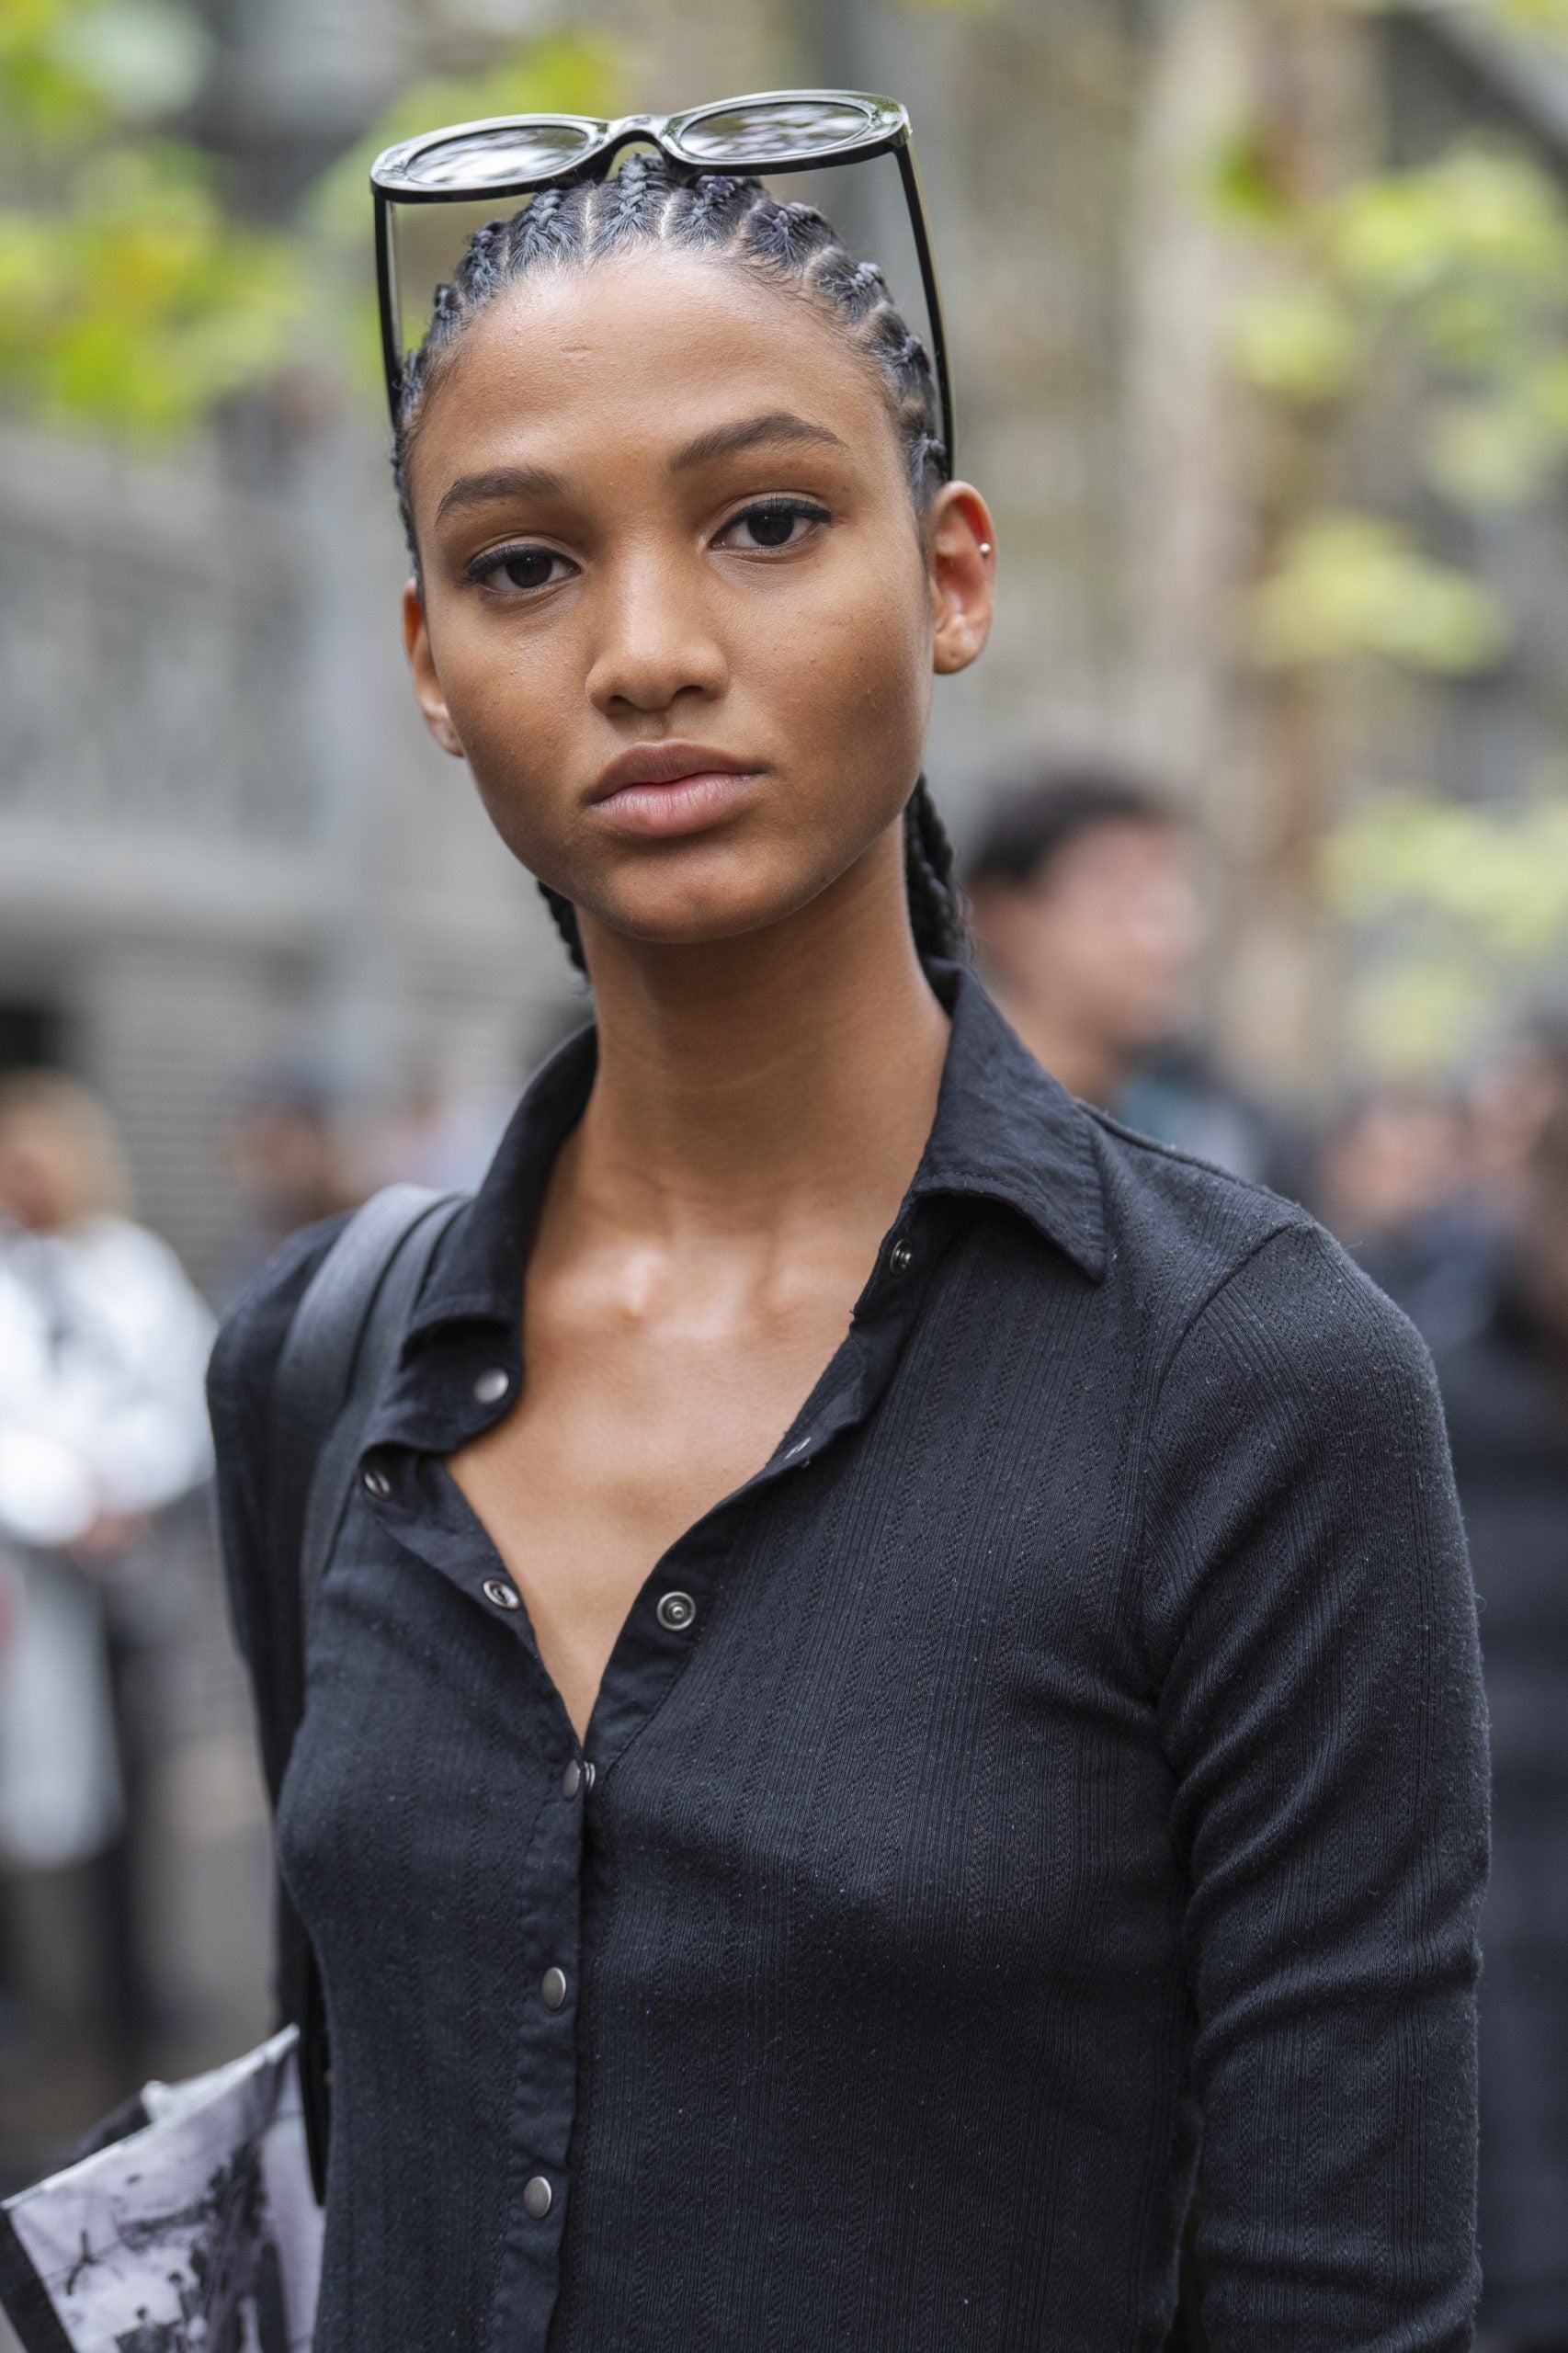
pixel 495 559
pixel 806 508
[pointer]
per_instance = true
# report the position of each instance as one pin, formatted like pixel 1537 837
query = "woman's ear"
pixel 422 662
pixel 961 539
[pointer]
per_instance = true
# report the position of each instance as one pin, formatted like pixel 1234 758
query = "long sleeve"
pixel 1320 1708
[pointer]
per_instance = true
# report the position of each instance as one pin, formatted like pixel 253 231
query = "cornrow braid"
pixel 537 230
pixel 565 916
pixel 736 220
pixel 710 205
pixel 626 206
pixel 935 908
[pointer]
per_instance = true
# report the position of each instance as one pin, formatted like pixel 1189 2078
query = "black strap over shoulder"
pixel 339 1347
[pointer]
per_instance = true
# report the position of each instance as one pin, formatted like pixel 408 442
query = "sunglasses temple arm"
pixel 914 196
pixel 389 305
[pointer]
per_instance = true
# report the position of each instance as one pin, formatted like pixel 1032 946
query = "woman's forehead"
pixel 651 345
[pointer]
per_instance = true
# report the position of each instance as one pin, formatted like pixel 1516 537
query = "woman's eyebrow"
pixel 506 482
pixel 719 441
pixel 724 440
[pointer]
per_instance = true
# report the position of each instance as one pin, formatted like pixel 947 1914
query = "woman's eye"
pixel 775 523
pixel 522 568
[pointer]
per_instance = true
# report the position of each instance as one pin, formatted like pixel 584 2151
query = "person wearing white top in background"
pixel 103 1349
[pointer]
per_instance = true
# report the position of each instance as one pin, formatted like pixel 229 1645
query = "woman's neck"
pixel 749 1084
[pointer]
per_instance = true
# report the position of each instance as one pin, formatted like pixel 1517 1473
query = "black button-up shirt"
pixel 1058 1771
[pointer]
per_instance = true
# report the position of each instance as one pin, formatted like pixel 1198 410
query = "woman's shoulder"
pixel 1205 1251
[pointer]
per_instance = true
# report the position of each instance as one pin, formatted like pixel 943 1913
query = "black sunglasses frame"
pixel 887 132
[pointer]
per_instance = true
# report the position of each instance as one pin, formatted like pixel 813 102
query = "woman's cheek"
pixel 517 793
pixel 872 688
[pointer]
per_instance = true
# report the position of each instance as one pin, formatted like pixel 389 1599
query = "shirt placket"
pixel 543 2104
pixel 666 1620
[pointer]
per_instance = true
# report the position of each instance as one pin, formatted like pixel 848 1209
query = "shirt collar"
pixel 1004 1132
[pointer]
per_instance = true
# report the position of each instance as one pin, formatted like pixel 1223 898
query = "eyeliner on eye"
pixel 481 568
pixel 764 514
pixel 784 506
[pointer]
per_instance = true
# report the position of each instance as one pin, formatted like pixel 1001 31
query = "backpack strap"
pixel 340 1343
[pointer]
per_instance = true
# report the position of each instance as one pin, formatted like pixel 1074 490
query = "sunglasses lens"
pixel 481 159
pixel 770 128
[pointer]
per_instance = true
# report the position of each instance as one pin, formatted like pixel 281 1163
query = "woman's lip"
pixel 684 805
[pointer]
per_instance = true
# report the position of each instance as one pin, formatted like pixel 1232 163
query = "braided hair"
pixel 793 245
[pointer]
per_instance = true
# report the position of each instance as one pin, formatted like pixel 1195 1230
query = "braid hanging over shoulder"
pixel 935 908
pixel 565 916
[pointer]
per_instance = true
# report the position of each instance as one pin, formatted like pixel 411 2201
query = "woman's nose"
pixel 655 643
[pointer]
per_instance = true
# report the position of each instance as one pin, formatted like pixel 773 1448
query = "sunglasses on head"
pixel 773 132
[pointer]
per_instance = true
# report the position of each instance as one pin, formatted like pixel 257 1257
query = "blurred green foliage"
pixel 556 72
pixel 1462 268
pixel 1442 290
pixel 1537 19
pixel 1468 908
pixel 1498 878
pixel 1452 279
pixel 138 304
pixel 131 297
pixel 69 70
pixel 130 301
pixel 1540 16
pixel 1348 584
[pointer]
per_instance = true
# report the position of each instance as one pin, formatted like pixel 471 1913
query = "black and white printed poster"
pixel 198 2233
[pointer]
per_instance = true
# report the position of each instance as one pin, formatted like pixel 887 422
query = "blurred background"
pixel 1260 317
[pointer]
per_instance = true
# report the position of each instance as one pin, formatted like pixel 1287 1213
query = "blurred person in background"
pixel 1509 1102
pixel 103 1349
pixel 285 1152
pixel 1397 1182
pixel 436 1134
pixel 1506 1388
pixel 1428 1185
pixel 1087 912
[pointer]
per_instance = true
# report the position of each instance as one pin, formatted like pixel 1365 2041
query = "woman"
pixel 950 1678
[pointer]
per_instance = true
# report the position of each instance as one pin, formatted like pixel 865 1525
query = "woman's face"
pixel 677 611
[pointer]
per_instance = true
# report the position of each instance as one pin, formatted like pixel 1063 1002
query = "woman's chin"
pixel 701 918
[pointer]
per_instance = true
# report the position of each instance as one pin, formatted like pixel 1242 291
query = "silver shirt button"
pixel 571 1779
pixel 505 1595
pixel 676 1612
pixel 375 1481
pixel 552 1988
pixel 538 2198
pixel 901 1257
pixel 492 1386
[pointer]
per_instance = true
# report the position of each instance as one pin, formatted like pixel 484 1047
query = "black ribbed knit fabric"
pixel 1068 1749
